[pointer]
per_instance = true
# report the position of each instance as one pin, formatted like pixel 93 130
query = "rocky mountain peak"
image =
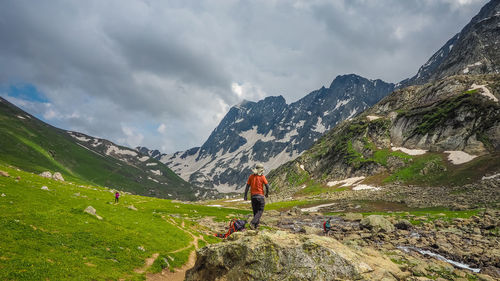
pixel 472 51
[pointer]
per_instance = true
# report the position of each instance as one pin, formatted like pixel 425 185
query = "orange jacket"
pixel 256 183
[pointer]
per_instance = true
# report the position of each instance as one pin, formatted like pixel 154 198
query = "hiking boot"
pixel 252 226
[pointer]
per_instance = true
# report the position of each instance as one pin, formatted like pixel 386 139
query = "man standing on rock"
pixel 257 181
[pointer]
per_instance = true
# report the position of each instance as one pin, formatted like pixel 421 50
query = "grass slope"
pixel 47 236
pixel 35 146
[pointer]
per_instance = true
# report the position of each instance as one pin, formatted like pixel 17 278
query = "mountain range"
pixel 28 143
pixel 271 132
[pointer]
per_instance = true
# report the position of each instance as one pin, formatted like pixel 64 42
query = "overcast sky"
pixel 162 74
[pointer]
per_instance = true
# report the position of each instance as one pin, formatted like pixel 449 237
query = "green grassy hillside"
pixel 47 236
pixel 35 146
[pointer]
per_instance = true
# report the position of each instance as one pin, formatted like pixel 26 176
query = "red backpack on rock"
pixel 234 225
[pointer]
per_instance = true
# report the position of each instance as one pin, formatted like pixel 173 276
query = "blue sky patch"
pixel 26 92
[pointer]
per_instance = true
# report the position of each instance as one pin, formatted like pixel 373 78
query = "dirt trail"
pixel 179 273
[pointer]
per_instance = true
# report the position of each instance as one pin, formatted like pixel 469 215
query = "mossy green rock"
pixel 377 224
pixel 285 256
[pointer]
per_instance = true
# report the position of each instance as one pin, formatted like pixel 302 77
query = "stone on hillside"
pixel 3 195
pixel 46 174
pixel 131 207
pixel 57 176
pixel 4 174
pixel 92 211
pixel 282 255
pixel 377 223
pixel 353 217
pixel 44 188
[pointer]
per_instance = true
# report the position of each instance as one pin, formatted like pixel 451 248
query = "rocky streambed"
pixel 473 242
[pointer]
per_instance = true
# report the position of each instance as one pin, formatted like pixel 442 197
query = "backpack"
pixel 326 226
pixel 234 225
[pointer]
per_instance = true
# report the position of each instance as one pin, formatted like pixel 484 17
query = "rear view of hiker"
pixel 256 183
pixel 117 196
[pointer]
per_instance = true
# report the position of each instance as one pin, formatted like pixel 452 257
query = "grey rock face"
pixel 272 132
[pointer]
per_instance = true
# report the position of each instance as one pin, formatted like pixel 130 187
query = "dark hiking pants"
pixel 258 203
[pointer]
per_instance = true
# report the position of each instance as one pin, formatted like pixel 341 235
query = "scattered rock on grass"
pixel 3 195
pixel 131 207
pixel 92 211
pixel 44 188
pixel 57 176
pixel 4 174
pixel 46 174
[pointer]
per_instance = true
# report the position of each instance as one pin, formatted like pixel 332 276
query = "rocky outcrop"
pixel 284 256
pixel 443 116
pixel 472 51
pixel 57 176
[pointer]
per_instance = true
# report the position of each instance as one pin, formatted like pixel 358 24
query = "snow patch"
pixel 346 182
pixel 116 150
pixel 485 91
pixel 151 179
pixel 372 117
pixel 490 177
pixel 84 139
pixel 214 205
pixel 459 157
pixel 409 151
pixel 144 158
pixel 319 127
pixel 156 172
pixel 341 103
pixel 151 164
pixel 316 208
pixel 20 117
pixel 365 187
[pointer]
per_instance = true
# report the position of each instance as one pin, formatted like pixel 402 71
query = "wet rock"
pixel 377 223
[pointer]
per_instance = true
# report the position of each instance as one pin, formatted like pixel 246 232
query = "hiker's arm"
pixel 246 191
pixel 267 189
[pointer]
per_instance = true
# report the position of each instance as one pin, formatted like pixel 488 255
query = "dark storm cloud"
pixel 122 69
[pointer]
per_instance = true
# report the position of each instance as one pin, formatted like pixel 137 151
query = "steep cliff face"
pixel 459 113
pixel 472 51
pixel 272 132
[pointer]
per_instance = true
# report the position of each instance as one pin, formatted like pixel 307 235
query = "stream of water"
pixel 439 257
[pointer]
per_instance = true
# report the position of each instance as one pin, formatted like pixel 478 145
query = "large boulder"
pixel 281 255
pixel 377 223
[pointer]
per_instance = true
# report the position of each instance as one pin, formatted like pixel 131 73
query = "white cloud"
pixel 182 64
pixel 162 128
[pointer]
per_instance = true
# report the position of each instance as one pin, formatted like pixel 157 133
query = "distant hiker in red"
pixel 117 196
pixel 257 181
